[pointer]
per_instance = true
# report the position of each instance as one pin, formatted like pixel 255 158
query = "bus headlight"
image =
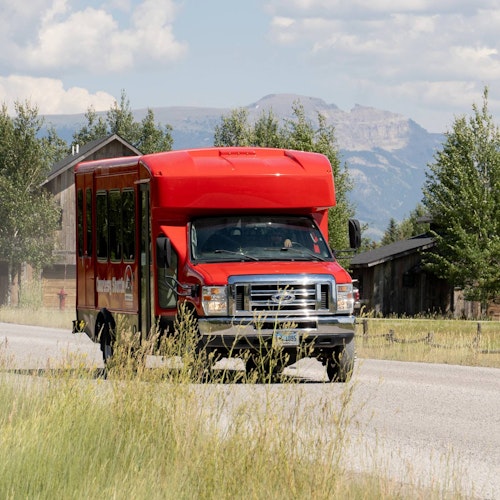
pixel 345 298
pixel 214 300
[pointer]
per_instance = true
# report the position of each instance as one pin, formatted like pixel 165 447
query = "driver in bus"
pixel 279 239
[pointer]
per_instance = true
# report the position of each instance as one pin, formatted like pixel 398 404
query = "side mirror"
pixel 354 233
pixel 163 251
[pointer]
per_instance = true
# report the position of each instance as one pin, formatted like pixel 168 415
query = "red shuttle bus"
pixel 239 235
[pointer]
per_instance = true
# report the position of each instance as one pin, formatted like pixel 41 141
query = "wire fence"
pixel 428 339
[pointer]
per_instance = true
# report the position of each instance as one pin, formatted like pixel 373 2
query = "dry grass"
pixel 52 318
pixel 160 433
pixel 430 340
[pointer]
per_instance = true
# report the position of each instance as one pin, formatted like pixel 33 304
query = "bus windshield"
pixel 257 238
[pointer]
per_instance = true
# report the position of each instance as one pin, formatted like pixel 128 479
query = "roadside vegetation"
pixel 419 339
pixel 62 438
pixel 149 433
pixel 430 340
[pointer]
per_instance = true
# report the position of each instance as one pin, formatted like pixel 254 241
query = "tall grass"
pixel 159 433
pixel 435 340
pixel 144 432
pixel 70 439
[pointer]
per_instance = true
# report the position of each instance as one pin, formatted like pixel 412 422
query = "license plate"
pixel 287 338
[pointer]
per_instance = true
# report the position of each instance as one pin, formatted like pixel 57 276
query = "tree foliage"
pixel 234 130
pixel 153 137
pixel 266 131
pixel 462 195
pixel 95 128
pixel 300 134
pixel 407 228
pixel 147 136
pixel 28 213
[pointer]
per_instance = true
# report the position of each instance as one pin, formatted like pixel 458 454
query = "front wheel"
pixel 340 363
pixel 268 365
pixel 263 368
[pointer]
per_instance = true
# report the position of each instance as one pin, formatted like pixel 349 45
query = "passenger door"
pixel 85 242
pixel 146 302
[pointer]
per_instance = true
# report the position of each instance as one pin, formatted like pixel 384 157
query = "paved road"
pixel 432 424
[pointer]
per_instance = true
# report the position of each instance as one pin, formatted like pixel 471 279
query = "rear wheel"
pixel 105 327
pixel 340 363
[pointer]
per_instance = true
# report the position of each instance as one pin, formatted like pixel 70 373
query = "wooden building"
pixel 392 280
pixel 59 286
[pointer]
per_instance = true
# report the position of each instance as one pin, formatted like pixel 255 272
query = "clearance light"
pixel 214 300
pixel 345 298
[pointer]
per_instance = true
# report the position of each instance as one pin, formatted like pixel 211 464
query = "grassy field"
pixel 54 318
pixel 62 438
pixel 448 341
pixel 161 434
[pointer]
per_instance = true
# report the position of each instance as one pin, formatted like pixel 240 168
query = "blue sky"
pixel 428 60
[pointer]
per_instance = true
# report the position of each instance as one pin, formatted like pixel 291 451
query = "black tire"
pixel 263 369
pixel 340 363
pixel 105 327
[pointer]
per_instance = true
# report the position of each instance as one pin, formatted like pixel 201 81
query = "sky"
pixel 429 60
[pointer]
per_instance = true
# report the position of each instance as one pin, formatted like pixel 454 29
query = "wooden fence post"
pixel 390 336
pixel 477 340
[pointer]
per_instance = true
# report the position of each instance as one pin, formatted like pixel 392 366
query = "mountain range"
pixel 386 153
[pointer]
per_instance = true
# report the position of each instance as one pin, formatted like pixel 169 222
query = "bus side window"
pixel 88 213
pixel 128 208
pixel 102 224
pixel 115 225
pixel 79 216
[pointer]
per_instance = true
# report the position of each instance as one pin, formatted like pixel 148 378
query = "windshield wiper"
pixel 239 254
pixel 303 250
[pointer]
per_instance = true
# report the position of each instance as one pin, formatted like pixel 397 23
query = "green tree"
pixel 55 147
pixel 391 234
pixel 266 131
pixel 147 136
pixel 95 128
pixel 462 196
pixel 120 119
pixel 338 216
pixel 28 214
pixel 234 130
pixel 153 137
pixel 413 225
pixel 299 133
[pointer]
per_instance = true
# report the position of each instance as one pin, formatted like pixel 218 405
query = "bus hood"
pixel 217 273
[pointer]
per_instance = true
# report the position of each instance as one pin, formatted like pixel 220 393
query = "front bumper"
pixel 230 335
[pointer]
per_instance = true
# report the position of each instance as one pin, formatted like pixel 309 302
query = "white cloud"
pixel 442 49
pixel 92 38
pixel 427 60
pixel 49 95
